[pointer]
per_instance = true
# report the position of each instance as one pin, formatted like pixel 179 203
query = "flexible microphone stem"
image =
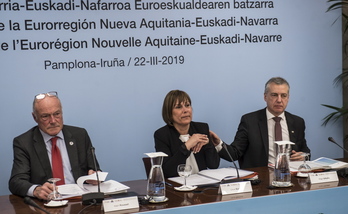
pixel 235 166
pixel 333 141
pixel 95 166
pixel 32 203
pixel 93 197
pixel 344 171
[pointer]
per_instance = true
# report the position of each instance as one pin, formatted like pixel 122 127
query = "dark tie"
pixel 277 129
pixel 57 163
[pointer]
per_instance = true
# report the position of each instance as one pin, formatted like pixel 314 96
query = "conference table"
pixel 302 197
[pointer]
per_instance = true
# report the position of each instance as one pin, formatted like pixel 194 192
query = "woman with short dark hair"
pixel 183 140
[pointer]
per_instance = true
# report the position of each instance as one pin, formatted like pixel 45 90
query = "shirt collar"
pixel 270 115
pixel 48 137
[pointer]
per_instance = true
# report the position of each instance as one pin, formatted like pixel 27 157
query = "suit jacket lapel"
pixel 264 130
pixel 41 151
pixel 71 146
pixel 291 128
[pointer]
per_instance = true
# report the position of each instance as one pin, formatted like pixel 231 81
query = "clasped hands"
pixel 196 142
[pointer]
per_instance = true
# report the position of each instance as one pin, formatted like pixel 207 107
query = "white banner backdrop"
pixel 113 62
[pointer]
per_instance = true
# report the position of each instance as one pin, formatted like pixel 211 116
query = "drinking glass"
pixel 54 195
pixel 184 171
pixel 304 168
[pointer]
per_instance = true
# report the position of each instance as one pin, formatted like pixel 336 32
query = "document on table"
pixel 211 176
pixel 107 187
pixel 320 163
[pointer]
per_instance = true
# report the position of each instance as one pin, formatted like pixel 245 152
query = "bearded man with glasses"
pixel 38 151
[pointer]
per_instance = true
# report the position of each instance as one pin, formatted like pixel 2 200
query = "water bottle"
pixel 156 189
pixel 282 175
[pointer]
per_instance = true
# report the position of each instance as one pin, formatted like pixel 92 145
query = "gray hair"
pixel 36 100
pixel 277 81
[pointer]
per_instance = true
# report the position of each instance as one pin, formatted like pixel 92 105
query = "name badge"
pixel 234 188
pixel 121 204
pixel 239 196
pixel 324 185
pixel 323 177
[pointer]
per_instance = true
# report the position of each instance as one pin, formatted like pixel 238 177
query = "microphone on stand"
pixel 32 203
pixel 93 197
pixel 344 171
pixel 235 166
pixel 333 141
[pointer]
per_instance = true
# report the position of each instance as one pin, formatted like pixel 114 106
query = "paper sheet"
pixel 107 187
pixel 211 176
pixel 156 154
pixel 81 180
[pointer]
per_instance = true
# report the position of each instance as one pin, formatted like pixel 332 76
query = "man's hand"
pixel 215 138
pixel 296 156
pixel 94 182
pixel 41 192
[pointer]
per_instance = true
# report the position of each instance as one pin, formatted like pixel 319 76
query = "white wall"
pixel 121 106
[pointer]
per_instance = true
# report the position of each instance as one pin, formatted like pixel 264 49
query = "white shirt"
pixel 271 133
pixel 191 160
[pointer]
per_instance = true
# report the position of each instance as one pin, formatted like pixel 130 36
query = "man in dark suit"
pixel 253 145
pixel 33 152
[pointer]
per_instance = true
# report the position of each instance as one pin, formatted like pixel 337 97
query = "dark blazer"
pixel 167 141
pixel 31 164
pixel 250 145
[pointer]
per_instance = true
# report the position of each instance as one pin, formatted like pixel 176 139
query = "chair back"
pixel 147 165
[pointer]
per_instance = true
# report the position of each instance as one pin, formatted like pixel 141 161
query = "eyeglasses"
pixel 48 94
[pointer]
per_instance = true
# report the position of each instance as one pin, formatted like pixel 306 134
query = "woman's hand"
pixel 196 142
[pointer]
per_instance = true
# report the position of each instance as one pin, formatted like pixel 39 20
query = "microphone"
pixel 235 166
pixel 93 197
pixel 344 171
pixel 333 141
pixel 32 203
